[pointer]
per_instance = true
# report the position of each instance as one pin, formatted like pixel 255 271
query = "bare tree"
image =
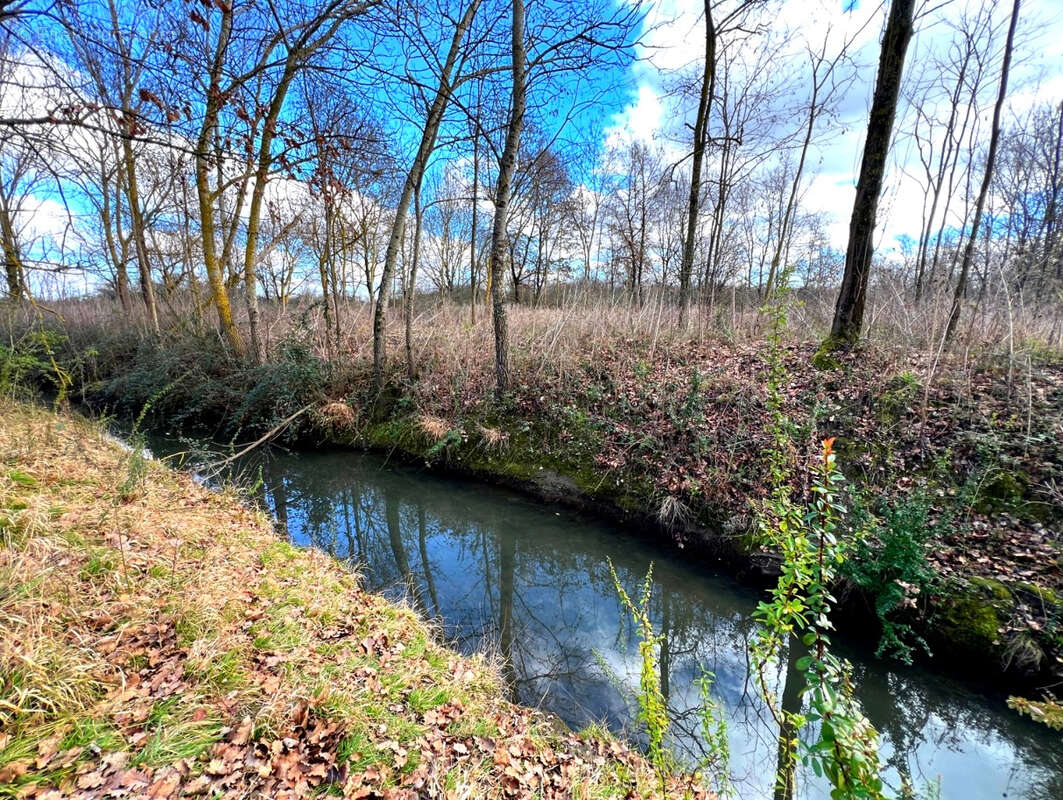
pixel 300 39
pixel 987 177
pixel 940 154
pixel 713 30
pixel 630 214
pixel 826 85
pixel 507 165
pixel 449 78
pixel 543 53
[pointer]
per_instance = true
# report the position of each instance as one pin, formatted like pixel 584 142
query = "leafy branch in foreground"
pixel 846 751
pixel 805 534
pixel 653 705
pixel 1047 711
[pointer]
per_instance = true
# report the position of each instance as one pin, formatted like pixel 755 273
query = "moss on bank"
pixel 983 621
pixel 157 639
pixel 971 617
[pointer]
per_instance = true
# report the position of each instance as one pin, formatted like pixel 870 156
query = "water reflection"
pixel 506 574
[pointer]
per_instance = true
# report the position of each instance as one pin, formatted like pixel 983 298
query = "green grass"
pixel 176 733
pixel 424 699
pixel 92 733
pixel 358 750
pixel 222 674
pixel 84 608
pixel 101 561
pixel 22 479
pixel 466 726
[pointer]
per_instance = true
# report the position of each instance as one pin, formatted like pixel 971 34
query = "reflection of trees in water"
pixel 507 560
pixel 504 574
pixel 785 760
pixel 914 717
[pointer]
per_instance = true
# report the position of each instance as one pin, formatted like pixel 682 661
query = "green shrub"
pixel 29 363
pixel 281 387
pixel 890 563
pixel 193 383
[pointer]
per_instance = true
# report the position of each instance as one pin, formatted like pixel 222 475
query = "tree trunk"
pixel 849 310
pixel 503 193
pixel 215 280
pixel 786 760
pixel 701 125
pixel 121 277
pixel 507 560
pixel 254 211
pixel 411 286
pixel 475 202
pixel 13 270
pixel 991 157
pixel 140 245
pixel 331 345
pixel 413 179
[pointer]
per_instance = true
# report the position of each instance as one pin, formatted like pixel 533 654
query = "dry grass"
pixel 455 356
pixel 494 438
pixel 338 416
pixel 435 428
pixel 580 323
pixel 673 511
pixel 169 642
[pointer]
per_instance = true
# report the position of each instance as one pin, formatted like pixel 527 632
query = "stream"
pixel 509 575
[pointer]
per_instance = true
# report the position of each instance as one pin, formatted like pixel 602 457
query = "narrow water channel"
pixel 506 574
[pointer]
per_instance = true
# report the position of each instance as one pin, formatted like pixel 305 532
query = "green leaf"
pixel 22 479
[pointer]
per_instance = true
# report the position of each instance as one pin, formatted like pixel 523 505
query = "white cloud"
pixel 40 218
pixel 639 121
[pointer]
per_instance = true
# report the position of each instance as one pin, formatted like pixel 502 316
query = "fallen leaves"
pixel 14 769
pixel 215 661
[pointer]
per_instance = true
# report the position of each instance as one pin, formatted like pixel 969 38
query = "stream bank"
pixel 965 623
pixel 157 639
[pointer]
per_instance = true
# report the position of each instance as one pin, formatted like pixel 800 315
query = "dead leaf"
pixel 14 769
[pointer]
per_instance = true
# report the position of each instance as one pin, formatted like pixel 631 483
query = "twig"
pixel 265 437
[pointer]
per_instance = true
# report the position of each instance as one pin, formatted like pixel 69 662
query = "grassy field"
pixel 157 639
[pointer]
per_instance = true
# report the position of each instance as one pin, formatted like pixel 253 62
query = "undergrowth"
pixel 889 562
